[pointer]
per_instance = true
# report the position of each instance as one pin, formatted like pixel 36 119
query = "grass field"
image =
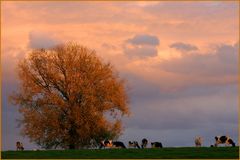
pixel 168 153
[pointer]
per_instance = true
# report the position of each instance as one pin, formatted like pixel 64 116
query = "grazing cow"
pixel 118 144
pixel 198 141
pixel 156 145
pixel 19 146
pixel 144 143
pixel 112 144
pixel 133 144
pixel 224 140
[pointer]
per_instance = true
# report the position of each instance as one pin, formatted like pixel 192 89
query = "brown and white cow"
pixel 19 146
pixel 198 141
pixel 111 144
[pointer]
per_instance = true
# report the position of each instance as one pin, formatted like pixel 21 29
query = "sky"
pixel 180 61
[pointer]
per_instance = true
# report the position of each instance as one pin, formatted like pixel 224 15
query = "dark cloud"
pixel 42 40
pixel 175 112
pixel 195 110
pixel 141 46
pixel 183 47
pixel 228 53
pixel 10 129
pixel 144 40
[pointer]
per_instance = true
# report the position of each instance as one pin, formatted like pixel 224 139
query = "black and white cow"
pixel 156 145
pixel 224 140
pixel 112 144
pixel 144 143
pixel 133 144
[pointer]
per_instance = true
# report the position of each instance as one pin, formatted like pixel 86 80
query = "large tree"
pixel 69 97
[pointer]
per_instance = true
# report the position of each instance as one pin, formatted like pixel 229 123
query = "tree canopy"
pixel 68 96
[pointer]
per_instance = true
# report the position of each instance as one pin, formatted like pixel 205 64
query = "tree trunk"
pixel 72 133
pixel 72 146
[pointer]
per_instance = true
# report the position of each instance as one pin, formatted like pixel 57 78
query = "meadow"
pixel 166 153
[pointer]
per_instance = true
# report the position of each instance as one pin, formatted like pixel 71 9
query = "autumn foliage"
pixel 68 97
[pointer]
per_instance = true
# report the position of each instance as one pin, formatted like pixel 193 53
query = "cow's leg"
pixel 101 146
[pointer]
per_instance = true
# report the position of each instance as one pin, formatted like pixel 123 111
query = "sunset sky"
pixel 180 60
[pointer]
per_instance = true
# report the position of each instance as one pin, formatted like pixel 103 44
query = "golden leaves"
pixel 64 96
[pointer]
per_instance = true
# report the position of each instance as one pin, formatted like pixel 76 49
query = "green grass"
pixel 167 153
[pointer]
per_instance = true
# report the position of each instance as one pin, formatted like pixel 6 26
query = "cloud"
pixel 217 67
pixel 141 52
pixel 186 112
pixel 144 40
pixel 219 63
pixel 11 55
pixel 155 108
pixel 42 40
pixel 109 46
pixel 183 47
pixel 228 53
pixel 197 11
pixel 196 109
pixel 141 46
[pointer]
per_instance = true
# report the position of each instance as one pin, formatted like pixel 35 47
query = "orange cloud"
pixel 94 24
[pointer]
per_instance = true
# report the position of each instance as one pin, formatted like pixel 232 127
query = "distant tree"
pixel 69 97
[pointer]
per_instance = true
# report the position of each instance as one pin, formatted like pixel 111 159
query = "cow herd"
pixel 134 144
pixel 218 140
pixel 131 144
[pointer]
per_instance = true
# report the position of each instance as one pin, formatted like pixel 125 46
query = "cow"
pixel 133 144
pixel 156 145
pixel 19 146
pixel 112 144
pixel 118 144
pixel 104 144
pixel 224 140
pixel 93 143
pixel 144 143
pixel 198 141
